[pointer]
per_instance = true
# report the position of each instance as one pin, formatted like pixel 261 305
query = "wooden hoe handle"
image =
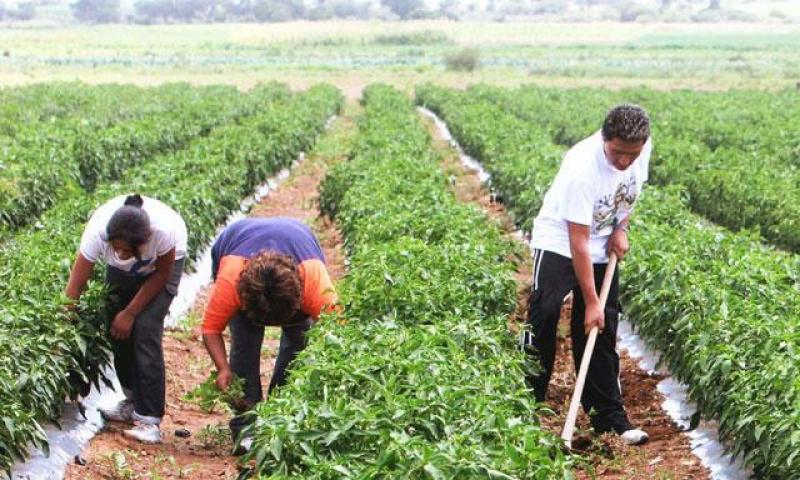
pixel 569 426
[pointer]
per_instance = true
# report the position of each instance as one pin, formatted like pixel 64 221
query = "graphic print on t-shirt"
pixel 139 265
pixel 606 208
pixel 588 191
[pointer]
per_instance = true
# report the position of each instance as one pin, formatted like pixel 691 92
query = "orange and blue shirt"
pixel 246 238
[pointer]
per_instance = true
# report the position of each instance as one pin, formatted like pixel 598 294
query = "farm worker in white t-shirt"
pixel 143 245
pixel 584 217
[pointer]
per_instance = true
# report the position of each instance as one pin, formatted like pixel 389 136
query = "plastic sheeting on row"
pixel 70 440
pixel 704 440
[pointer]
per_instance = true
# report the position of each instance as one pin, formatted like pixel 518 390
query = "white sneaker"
pixel 145 433
pixel 121 412
pixel 634 436
pixel 243 447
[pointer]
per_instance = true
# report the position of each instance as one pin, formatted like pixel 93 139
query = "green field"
pixel 352 54
pixel 419 377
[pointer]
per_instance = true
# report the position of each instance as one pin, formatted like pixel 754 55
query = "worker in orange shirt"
pixel 267 272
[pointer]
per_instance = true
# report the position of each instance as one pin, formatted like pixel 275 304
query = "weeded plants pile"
pixel 209 397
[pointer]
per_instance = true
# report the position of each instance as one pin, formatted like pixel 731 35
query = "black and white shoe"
pixel 145 433
pixel 243 446
pixel 121 412
pixel 634 436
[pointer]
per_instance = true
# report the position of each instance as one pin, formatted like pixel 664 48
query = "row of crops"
pixel 723 307
pixel 736 153
pixel 112 129
pixel 236 142
pixel 418 378
pixel 25 110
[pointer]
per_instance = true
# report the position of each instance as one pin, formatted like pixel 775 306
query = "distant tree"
pixel 271 11
pixel 714 4
pixel 25 11
pixel 152 11
pixel 405 9
pixel 327 9
pixel 96 11
pixel 551 7
pixel 190 10
pixel 213 10
pixel 278 10
pixel 449 9
pixel 351 9
pixel 238 8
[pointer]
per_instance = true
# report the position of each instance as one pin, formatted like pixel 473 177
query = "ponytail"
pixel 130 223
pixel 134 200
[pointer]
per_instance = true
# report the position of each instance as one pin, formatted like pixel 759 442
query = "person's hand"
pixel 224 379
pixel 594 317
pixel 122 325
pixel 618 243
pixel 71 311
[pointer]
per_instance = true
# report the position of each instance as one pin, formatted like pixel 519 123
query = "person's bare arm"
pixel 78 277
pixel 618 242
pixel 584 271
pixel 154 283
pixel 216 349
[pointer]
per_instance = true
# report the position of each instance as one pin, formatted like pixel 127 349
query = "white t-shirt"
pixel 169 231
pixel 588 190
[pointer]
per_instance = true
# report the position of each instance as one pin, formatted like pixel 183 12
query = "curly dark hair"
pixel 270 289
pixel 626 122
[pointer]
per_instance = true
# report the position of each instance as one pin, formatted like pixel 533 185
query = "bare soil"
pixel 205 454
pixel 668 454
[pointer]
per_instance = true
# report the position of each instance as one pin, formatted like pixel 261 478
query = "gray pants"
pixel 247 337
pixel 139 360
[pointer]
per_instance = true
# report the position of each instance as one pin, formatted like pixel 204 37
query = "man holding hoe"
pixel 584 218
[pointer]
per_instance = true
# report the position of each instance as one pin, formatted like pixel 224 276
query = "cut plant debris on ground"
pixel 206 452
pixel 420 375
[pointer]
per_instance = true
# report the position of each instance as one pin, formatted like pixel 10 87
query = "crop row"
pixel 204 183
pixel 739 162
pixel 748 121
pixel 722 307
pixel 418 378
pixel 485 132
pixel 27 111
pixel 87 150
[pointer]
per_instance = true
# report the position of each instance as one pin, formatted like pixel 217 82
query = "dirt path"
pixel 668 454
pixel 205 454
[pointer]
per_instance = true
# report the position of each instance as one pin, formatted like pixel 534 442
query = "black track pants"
pixel 553 278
